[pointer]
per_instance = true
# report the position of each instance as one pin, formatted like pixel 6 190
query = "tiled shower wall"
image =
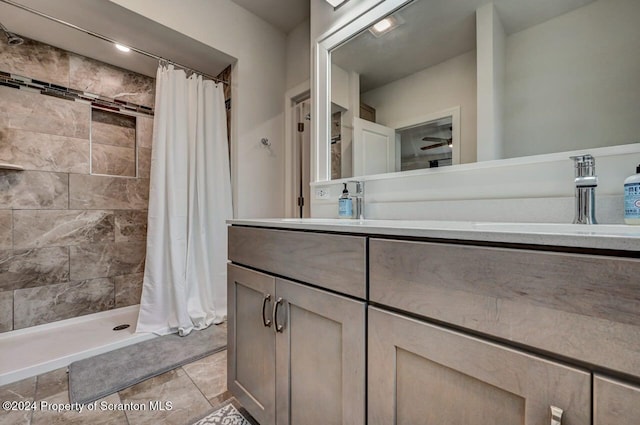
pixel 71 243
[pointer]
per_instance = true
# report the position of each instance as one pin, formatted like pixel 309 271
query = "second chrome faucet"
pixel 586 182
pixel 358 196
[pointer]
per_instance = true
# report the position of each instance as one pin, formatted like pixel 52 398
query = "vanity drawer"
pixel 615 402
pixel 334 262
pixel 580 306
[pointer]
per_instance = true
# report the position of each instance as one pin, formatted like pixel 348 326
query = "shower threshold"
pixel 43 348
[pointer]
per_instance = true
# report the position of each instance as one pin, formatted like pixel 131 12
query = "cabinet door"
pixel 615 402
pixel 424 374
pixel 321 357
pixel 251 344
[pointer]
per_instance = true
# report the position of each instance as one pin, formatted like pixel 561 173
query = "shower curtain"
pixel 184 285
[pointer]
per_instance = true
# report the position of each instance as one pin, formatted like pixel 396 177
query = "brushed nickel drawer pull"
pixel 556 415
pixel 266 322
pixel 277 327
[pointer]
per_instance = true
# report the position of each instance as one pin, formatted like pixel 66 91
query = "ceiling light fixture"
pixel 122 48
pixel 336 3
pixel 385 25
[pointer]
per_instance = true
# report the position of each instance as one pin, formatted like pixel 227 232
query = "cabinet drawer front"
pixel 335 262
pixel 581 306
pixel 615 402
pixel 421 373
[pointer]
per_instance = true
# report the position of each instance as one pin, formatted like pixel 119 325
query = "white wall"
pixel 443 86
pixel 490 42
pixel 257 92
pixel 339 87
pixel 574 78
pixel 298 55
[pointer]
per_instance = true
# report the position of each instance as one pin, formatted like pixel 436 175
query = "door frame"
pixel 292 97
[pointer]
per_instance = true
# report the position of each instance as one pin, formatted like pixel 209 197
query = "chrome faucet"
pixel 586 182
pixel 359 198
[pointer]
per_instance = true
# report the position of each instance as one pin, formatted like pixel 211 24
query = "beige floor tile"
pixel 209 374
pixel 21 391
pixel 17 391
pixel 187 404
pixel 103 412
pixel 52 383
pixel 220 398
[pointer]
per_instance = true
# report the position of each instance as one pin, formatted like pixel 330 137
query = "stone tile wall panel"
pixel 44 152
pixel 40 228
pixel 71 243
pixel 33 267
pixel 35 306
pixel 110 259
pixel 33 190
pixel 128 289
pixel 103 192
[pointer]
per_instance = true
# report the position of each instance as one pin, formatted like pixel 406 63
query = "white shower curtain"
pixel 189 200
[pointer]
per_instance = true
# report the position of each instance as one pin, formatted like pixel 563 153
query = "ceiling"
pixel 433 32
pixel 282 14
pixel 106 18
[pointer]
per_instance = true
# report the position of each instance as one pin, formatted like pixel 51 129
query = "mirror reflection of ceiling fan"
pixel 439 141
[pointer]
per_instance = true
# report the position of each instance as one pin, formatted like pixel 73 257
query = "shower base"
pixel 39 349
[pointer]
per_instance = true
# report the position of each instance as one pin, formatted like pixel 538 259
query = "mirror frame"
pixel 321 90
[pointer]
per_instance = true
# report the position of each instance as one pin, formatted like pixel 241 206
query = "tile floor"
pixel 193 391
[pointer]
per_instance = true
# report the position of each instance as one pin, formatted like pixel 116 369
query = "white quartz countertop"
pixel 600 236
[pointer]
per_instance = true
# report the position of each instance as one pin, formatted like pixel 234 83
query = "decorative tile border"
pixel 50 89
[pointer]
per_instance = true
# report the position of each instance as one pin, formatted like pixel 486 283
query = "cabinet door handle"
pixel 556 415
pixel 277 327
pixel 266 322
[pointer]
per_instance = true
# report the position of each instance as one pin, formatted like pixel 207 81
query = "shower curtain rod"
pixel 110 40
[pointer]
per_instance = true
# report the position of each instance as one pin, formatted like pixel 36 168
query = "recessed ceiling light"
pixel 122 48
pixel 385 25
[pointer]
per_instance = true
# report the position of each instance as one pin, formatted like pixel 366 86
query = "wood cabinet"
pixel 450 338
pixel 251 357
pixel 334 262
pixel 615 402
pixel 421 373
pixel 297 353
pixel 577 306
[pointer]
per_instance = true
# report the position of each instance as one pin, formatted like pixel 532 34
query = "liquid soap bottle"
pixel 632 198
pixel 345 204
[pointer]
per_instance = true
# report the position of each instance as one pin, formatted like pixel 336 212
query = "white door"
pixel 374 148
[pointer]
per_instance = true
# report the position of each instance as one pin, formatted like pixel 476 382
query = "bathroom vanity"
pixel 382 322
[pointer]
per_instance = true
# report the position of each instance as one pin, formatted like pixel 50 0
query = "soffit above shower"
pixel 282 14
pixel 116 22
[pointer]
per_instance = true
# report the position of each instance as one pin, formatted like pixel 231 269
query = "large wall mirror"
pixel 436 83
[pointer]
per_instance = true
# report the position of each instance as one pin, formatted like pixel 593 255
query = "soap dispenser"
pixel 632 198
pixel 345 204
